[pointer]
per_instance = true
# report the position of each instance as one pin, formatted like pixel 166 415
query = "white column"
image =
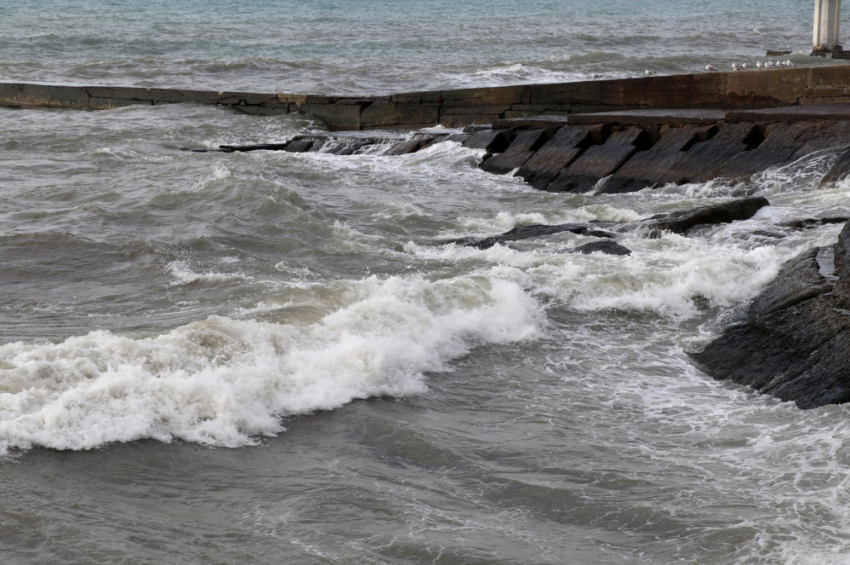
pixel 827 16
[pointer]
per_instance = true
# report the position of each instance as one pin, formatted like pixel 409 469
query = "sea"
pixel 269 357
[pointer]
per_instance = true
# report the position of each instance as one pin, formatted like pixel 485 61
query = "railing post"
pixel 827 17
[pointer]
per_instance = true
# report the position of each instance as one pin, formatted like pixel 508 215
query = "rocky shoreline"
pixel 614 137
pixel 795 341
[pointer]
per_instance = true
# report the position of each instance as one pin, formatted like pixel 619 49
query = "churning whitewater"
pixel 273 357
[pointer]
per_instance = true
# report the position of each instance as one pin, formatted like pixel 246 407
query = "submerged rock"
pixel 527 232
pixel 608 247
pixel 795 341
pixel 724 213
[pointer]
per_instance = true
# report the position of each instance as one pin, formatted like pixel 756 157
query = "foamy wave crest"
pixel 225 382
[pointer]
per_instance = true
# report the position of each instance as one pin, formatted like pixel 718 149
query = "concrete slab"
pixel 599 161
pixel 521 150
pixel 805 113
pixel 647 168
pixel 532 122
pixel 650 117
pixel 567 144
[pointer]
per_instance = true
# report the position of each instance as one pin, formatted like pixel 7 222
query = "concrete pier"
pixel 454 108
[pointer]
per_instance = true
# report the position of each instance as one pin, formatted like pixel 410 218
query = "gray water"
pixel 275 358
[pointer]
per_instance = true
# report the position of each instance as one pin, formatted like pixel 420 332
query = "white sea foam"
pixel 183 274
pixel 224 382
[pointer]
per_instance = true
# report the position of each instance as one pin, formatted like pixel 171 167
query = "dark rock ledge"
pixel 795 341
pixel 676 222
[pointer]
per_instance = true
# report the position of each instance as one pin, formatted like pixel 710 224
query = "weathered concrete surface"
pixel 781 142
pixel 703 161
pixel 520 150
pixel 810 113
pixel 654 117
pixel 840 170
pixel 799 87
pixel 492 141
pixel 795 340
pixel 600 161
pixel 557 153
pixel 647 168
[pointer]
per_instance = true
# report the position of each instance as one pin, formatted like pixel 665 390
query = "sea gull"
pixel 710 68
pixel 758 64
pixel 735 67
pixel 744 66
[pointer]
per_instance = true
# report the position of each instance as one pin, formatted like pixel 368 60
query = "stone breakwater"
pixel 454 108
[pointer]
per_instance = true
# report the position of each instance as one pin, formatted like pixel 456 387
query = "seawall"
pixel 453 108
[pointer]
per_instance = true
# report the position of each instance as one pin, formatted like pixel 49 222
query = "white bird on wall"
pixel 710 68
pixel 758 64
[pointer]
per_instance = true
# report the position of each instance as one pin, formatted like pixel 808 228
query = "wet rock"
pixel 809 223
pixel 839 171
pixel 724 213
pixel 408 146
pixel 299 146
pixel 599 161
pixel 489 140
pixel 608 247
pixel 253 147
pixel 557 153
pixel 520 150
pixel 648 168
pixel 822 136
pixel 795 340
pixel 527 232
pixel 701 162
pixel 781 143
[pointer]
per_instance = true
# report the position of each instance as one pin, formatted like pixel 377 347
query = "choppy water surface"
pixel 274 357
pixel 379 46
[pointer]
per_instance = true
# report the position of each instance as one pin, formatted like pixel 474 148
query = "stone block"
pixel 520 150
pixel 566 94
pixel 299 145
pixel 781 142
pixel 492 141
pixel 487 96
pixel 768 87
pixel 384 114
pixel 432 97
pixel 536 122
pixel 460 120
pixel 804 113
pixel 557 153
pixel 822 136
pixel 647 168
pixel 43 95
pixel 651 117
pixel 599 161
pixel 408 146
pixel 839 171
pixel 337 117
pixel 701 162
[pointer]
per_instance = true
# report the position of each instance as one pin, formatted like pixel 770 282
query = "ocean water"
pixel 265 358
